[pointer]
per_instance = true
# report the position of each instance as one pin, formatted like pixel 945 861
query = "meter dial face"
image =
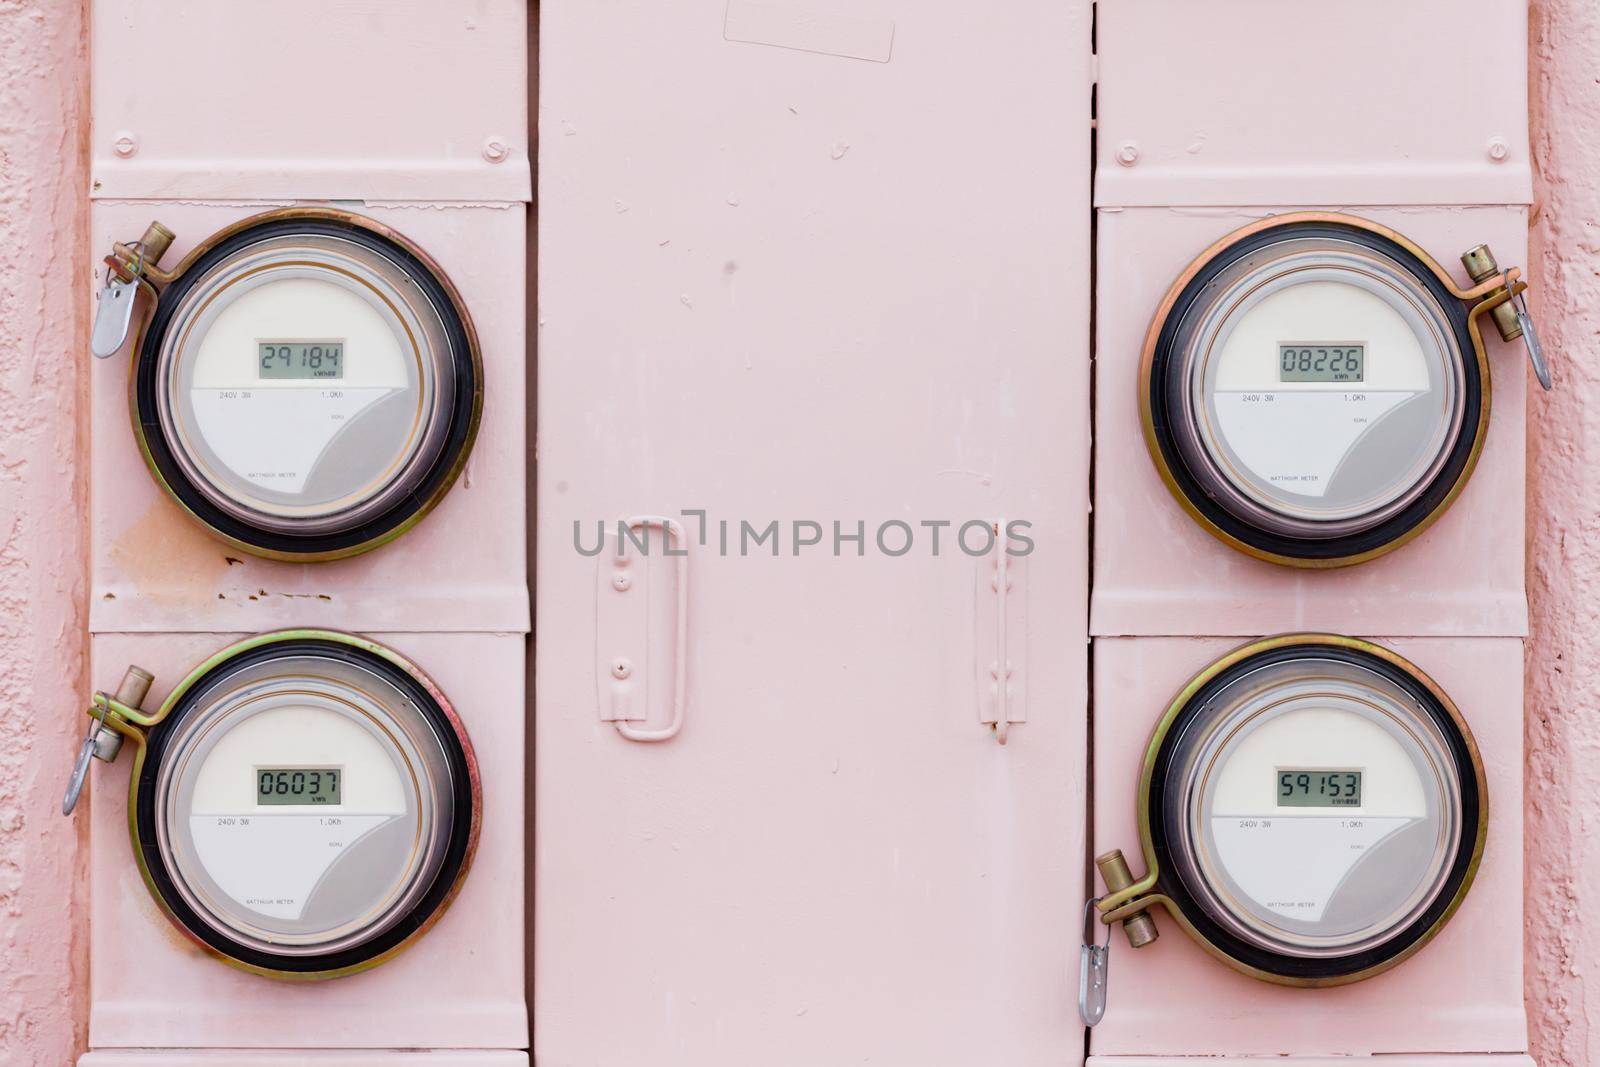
pixel 1314 392
pixel 307 807
pixel 308 387
pixel 1318 809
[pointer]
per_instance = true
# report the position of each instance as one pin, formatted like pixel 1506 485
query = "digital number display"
pixel 299 785
pixel 1319 789
pixel 280 360
pixel 1321 362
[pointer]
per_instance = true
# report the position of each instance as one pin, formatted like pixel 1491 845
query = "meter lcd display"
pixel 280 360
pixel 1319 789
pixel 1321 362
pixel 298 785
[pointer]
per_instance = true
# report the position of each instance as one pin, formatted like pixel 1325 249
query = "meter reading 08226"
pixel 1268 420
pixel 1321 362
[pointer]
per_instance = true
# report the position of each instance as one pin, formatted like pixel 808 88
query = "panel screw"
pixel 1498 150
pixel 124 144
pixel 621 582
pixel 1128 154
pixel 495 149
pixel 621 668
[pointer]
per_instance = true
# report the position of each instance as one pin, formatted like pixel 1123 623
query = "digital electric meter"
pixel 304 804
pixel 308 385
pixel 1312 809
pixel 1314 388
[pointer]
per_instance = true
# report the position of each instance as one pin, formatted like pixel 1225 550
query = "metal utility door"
pixel 822 268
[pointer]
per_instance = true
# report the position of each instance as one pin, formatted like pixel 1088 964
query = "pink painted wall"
pixel 43 308
pixel 1563 670
pixel 43 303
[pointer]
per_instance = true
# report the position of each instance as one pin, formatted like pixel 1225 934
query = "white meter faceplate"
pixel 1314 390
pixel 309 384
pixel 305 804
pixel 1314 809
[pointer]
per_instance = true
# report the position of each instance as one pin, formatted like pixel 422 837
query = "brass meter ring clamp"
pixel 1132 902
pixel 1159 391
pixel 465 406
pixel 151 732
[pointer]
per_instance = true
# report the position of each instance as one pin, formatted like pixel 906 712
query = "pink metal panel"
pixel 463 568
pixel 1158 572
pixel 1450 1060
pixel 459 986
pixel 301 98
pixel 1462 993
pixel 820 288
pixel 1359 102
pixel 308 1058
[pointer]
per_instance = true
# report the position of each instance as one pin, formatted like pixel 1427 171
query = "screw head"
pixel 621 668
pixel 1498 150
pixel 124 144
pixel 1128 153
pixel 621 582
pixel 496 150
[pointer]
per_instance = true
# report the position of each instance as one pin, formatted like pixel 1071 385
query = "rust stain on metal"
pixel 164 555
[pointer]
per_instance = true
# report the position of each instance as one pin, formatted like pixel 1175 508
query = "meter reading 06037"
pixel 304 804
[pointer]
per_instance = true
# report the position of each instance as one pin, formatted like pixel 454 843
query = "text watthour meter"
pixel 308 384
pixel 1312 810
pixel 304 804
pixel 1314 387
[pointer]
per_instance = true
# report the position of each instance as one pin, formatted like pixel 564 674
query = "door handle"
pixel 623 629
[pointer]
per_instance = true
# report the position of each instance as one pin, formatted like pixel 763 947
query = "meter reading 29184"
pixel 279 360
pixel 309 384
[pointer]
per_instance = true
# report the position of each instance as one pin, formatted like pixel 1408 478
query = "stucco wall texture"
pixel 44 297
pixel 44 285
pixel 1563 702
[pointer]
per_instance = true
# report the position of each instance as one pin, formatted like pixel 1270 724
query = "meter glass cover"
pixel 1313 387
pixel 1314 806
pixel 312 383
pixel 304 804
pixel 298 785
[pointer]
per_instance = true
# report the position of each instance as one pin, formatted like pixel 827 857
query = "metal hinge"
pixel 1001 628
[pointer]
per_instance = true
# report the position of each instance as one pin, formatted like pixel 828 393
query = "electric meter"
pixel 1312 810
pixel 308 385
pixel 1314 388
pixel 303 805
